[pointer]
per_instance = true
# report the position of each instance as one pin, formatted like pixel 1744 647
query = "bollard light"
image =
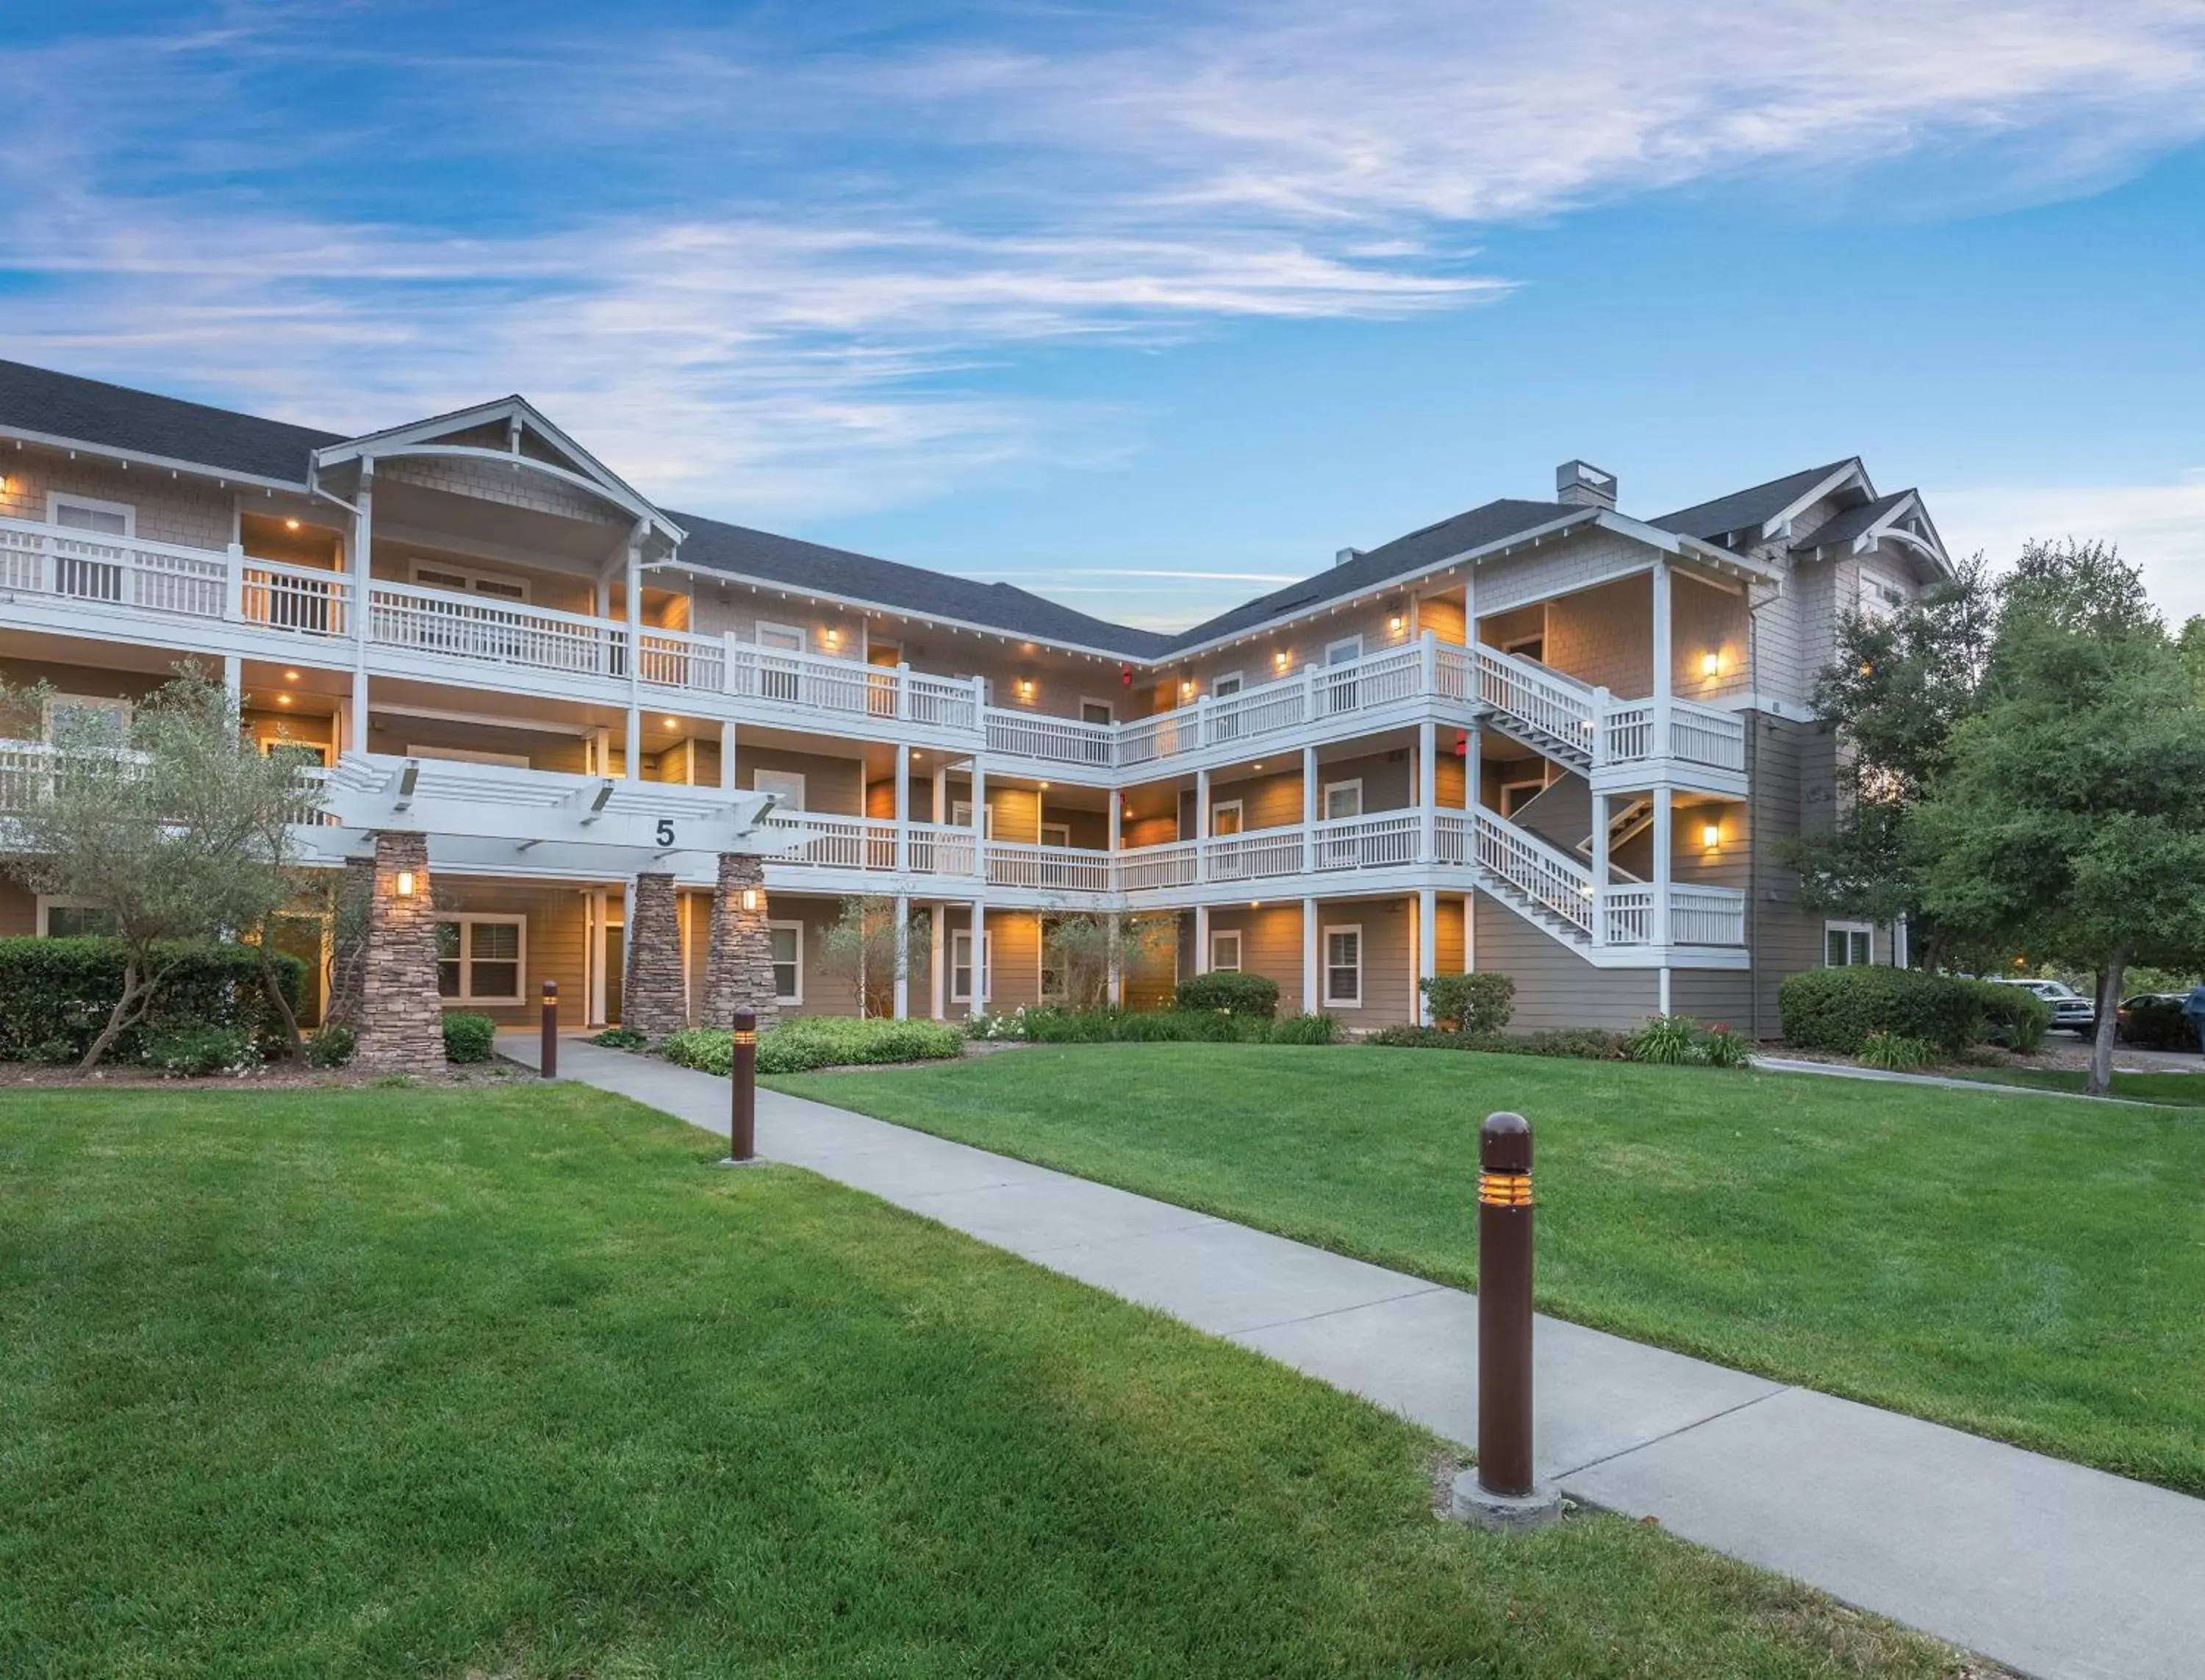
pixel 742 1076
pixel 548 1054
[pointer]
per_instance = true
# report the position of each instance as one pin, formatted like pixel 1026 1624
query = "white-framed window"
pixel 1225 951
pixel 1343 651
pixel 786 940
pixel 782 638
pixel 1343 798
pixel 1056 833
pixel 1225 818
pixel 1848 944
pixel 481 959
pixel 316 751
pixel 1229 684
pixel 1097 711
pixel 786 786
pixel 85 512
pixel 960 966
pixel 470 580
pixel 960 817
pixel 1343 966
pixel 1515 795
pixel 81 714
pixel 72 918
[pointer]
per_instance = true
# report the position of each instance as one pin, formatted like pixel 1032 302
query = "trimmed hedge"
pixel 469 1038
pixel 2014 1017
pixel 1836 1009
pixel 1577 1044
pixel 1474 1002
pixel 1234 993
pixel 817 1041
pixel 1160 1026
pixel 2156 1024
pixel 56 995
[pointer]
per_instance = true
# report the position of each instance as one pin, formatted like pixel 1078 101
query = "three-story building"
pixel 1542 736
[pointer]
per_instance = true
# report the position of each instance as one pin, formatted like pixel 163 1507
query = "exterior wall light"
pixel 405 883
pixel 1711 835
pixel 834 637
pixel 1711 663
pixel 749 898
pixel 1279 659
pixel 1397 623
pixel 1025 688
pixel 290 525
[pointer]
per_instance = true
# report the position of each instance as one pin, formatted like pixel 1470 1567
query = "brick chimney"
pixel 1582 484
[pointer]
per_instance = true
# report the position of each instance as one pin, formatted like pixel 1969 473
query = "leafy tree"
pixel 2067 823
pixel 174 823
pixel 858 950
pixel 1899 686
pixel 1084 950
pixel 2192 645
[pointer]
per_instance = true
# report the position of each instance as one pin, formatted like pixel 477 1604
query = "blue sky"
pixel 1148 306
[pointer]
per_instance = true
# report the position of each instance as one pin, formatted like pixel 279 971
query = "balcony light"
pixel 1711 835
pixel 290 676
pixel 671 723
pixel 834 638
pixel 290 525
pixel 1711 664
pixel 282 699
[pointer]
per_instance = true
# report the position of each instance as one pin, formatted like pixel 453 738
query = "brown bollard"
pixel 742 1127
pixel 547 1059
pixel 1504 1491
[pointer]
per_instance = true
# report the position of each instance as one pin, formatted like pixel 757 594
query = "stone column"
pixel 402 1020
pixel 653 1000
pixel 740 975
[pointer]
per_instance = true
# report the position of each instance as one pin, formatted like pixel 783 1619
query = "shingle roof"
pixel 1489 523
pixel 1744 508
pixel 1851 522
pixel 90 410
pixel 799 564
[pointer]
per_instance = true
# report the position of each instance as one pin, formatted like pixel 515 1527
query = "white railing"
pixel 1628 732
pixel 1706 916
pixel 838 842
pixel 26 773
pixel 940 703
pixel 1548 877
pixel 1253 712
pixel 1702 735
pixel 939 849
pixel 1056 868
pixel 799 681
pixel 117 570
pixel 1262 855
pixel 297 599
pixel 1627 915
pixel 1169 734
pixel 1151 868
pixel 676 659
pixel 1063 741
pixel 1553 705
pixel 460 627
pixel 1362 684
pixel 1365 842
pixel 1451 837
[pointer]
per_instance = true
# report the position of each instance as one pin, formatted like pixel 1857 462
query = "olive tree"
pixel 172 823
pixel 859 950
pixel 1083 951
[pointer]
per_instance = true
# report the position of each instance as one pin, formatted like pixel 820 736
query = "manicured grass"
pixel 515 1384
pixel 2020 1266
pixel 2179 1090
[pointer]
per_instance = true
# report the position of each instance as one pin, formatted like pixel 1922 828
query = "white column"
pixel 902 954
pixel 1427 948
pixel 1663 1005
pixel 726 757
pixel 1308 810
pixel 1664 659
pixel 1116 823
pixel 1427 790
pixel 1599 868
pixel 1202 939
pixel 599 914
pixel 941 792
pixel 1313 997
pixel 1202 854
pixel 1115 984
pixel 937 955
pixel 1662 836
pixel 356 715
pixel 232 679
pixel 363 552
pixel 902 813
pixel 1469 933
pixel 979 955
pixel 635 660
pixel 632 762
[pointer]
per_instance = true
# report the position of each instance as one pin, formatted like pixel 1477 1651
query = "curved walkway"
pixel 2050 1568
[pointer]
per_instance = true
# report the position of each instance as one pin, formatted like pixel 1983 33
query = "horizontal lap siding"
pixel 1270 945
pixel 556 939
pixel 166 510
pixel 1387 977
pixel 19 911
pixel 1704 620
pixel 832 786
pixel 1555 986
pixel 1794 768
pixel 543 749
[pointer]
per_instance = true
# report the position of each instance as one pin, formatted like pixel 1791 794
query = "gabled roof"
pixel 61 407
pixel 1762 504
pixel 1888 518
pixel 811 567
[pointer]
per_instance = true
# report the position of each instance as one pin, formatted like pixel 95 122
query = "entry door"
pixel 615 971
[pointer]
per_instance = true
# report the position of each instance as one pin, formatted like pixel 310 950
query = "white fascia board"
pixel 1775 524
pixel 170 463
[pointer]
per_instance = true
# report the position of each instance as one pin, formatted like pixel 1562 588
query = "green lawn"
pixel 2179 1091
pixel 2022 1267
pixel 514 1383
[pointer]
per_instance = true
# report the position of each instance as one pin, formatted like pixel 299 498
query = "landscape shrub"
pixel 2158 1024
pixel 1577 1044
pixel 1475 1003
pixel 1160 1026
pixel 193 1053
pixel 621 1038
pixel 332 1047
pixel 1896 1053
pixel 469 1038
pixel 1664 1041
pixel 2014 1017
pixel 1304 1029
pixel 1836 1009
pixel 816 1040
pixel 1722 1047
pixel 1230 991
pixel 56 995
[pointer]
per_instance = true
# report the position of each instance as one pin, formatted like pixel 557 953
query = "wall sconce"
pixel 1186 691
pixel 405 883
pixel 1711 835
pixel 749 898
pixel 834 637
pixel 1044 786
pixel 1711 663
pixel 671 722
pixel 1279 659
pixel 1397 623
pixel 290 525
pixel 1025 688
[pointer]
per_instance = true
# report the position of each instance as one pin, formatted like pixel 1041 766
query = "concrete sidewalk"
pixel 2048 1567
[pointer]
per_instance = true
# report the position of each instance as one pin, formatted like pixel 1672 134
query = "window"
pixel 1056 833
pixel 1343 967
pixel 1096 711
pixel 786 786
pixel 1343 798
pixel 786 941
pixel 72 919
pixel 468 580
pixel 1225 951
pixel 81 513
pixel 1533 648
pixel 1225 817
pixel 1345 649
pixel 960 817
pixel 960 967
pixel 1847 944
pixel 1515 795
pixel 309 752
pixel 1226 687
pixel 781 638
pixel 479 957
pixel 87 719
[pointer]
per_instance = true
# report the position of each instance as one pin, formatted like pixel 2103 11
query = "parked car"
pixel 2071 1011
pixel 2155 1021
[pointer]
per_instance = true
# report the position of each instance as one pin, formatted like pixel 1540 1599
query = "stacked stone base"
pixel 400 1018
pixel 740 975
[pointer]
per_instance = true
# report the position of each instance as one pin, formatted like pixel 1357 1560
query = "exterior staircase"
pixel 1545 711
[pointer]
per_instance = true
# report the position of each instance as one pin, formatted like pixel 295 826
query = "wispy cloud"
pixel 775 271
pixel 2161 528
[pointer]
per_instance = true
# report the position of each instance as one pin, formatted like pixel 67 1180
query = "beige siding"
pixel 1605 636
pixel 1793 765
pixel 832 786
pixel 1388 976
pixel 1703 619
pixel 486 481
pixel 555 939
pixel 1555 986
pixel 1554 568
pixel 18 909
pixel 1270 945
pixel 167 510
pixel 1267 801
pixel 543 749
